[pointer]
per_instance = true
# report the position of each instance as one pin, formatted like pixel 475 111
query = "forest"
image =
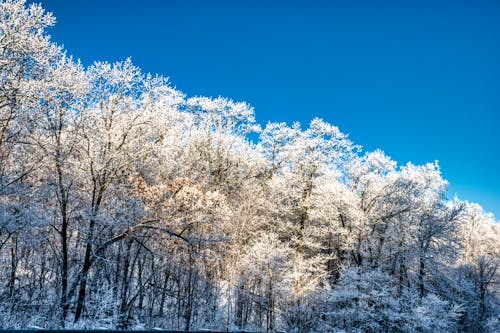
pixel 125 203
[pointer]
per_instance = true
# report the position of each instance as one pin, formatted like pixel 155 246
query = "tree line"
pixel 126 204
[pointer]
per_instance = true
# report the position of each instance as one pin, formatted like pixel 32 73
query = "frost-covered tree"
pixel 369 301
pixel 26 55
pixel 26 52
pixel 57 137
pixel 111 127
pixel 478 273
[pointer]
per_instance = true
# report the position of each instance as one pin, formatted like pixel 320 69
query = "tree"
pixel 369 301
pixel 111 126
pixel 300 161
pixel 479 265
pixel 26 52
pixel 57 135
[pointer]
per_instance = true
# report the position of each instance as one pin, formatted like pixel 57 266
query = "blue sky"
pixel 417 79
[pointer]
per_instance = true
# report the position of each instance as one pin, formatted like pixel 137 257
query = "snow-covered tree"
pixel 478 272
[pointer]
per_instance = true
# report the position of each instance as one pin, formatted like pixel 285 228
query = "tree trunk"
pixel 13 268
pixel 421 273
pixel 125 286
pixel 64 245
pixel 85 270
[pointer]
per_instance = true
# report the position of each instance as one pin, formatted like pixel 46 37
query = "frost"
pixel 126 204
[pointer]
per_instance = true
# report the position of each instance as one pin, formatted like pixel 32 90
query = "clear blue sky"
pixel 418 79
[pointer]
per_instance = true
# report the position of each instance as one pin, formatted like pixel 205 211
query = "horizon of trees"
pixel 126 204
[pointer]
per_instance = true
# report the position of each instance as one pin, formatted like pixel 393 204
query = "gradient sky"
pixel 417 79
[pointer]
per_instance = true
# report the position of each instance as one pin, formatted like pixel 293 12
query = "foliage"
pixel 126 204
